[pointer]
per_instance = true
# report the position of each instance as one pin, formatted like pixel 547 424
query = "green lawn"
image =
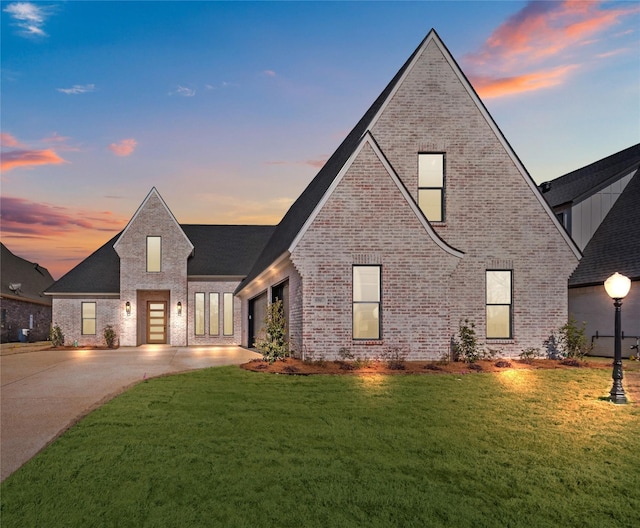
pixel 225 447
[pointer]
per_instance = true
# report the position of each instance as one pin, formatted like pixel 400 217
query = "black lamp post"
pixel 617 287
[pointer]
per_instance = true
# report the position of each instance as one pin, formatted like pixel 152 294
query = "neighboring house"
pixel 600 207
pixel 25 312
pixel 423 218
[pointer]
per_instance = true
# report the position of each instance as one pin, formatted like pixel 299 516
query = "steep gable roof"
pixel 297 215
pixel 22 279
pixel 153 193
pixel 580 184
pixel 369 140
pixel 615 246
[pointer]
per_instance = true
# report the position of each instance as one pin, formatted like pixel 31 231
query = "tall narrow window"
pixel 431 186
pixel 214 314
pixel 88 318
pixel 499 303
pixel 366 302
pixel 154 253
pixel 199 314
pixel 227 315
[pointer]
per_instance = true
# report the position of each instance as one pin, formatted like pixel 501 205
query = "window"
pixel 499 302
pixel 366 302
pixel 431 186
pixel 88 318
pixel 227 316
pixel 214 314
pixel 199 314
pixel 154 253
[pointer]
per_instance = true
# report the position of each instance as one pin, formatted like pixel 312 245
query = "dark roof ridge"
pixel 580 184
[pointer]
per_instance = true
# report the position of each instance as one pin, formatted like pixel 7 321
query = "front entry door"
pixel 157 322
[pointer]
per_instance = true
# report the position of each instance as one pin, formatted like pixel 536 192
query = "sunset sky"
pixel 230 108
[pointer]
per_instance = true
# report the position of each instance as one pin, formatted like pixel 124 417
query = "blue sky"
pixel 230 108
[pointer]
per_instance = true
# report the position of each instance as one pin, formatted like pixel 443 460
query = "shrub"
pixel 529 354
pixel 109 336
pixel 465 348
pixel 573 341
pixel 56 336
pixel 395 358
pixel 552 347
pixel 274 346
pixel 502 363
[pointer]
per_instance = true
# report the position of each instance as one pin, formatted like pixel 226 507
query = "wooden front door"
pixel 157 322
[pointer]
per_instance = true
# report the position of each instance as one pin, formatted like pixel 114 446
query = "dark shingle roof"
pixel 582 183
pixel 225 249
pixel 301 209
pixel 615 246
pixel 32 278
pixel 218 250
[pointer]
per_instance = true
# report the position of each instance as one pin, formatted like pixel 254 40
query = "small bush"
pixel 529 354
pixel 274 346
pixel 311 358
pixel 395 358
pixel 466 346
pixel 432 366
pixel 56 336
pixel 573 341
pixel 109 336
pixel 551 346
pixel 476 366
pixel 361 363
pixel 571 362
pixel 345 354
pixel 502 363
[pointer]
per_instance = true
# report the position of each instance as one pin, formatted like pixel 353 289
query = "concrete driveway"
pixel 46 391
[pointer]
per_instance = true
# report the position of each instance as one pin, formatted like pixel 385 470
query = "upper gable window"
pixel 366 302
pixel 154 253
pixel 431 186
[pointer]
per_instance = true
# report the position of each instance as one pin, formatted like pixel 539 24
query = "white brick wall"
pixel 67 314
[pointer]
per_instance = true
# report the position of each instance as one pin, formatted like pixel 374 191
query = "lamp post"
pixel 617 287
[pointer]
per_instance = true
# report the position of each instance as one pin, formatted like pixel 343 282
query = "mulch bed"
pixel 299 367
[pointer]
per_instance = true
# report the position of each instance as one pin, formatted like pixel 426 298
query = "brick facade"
pixel 67 314
pixel 18 314
pixel 170 284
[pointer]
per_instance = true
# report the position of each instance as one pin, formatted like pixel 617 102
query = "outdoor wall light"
pixel 617 287
pixel 179 308
pixel 127 308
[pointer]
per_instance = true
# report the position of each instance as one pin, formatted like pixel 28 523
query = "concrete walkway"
pixel 43 392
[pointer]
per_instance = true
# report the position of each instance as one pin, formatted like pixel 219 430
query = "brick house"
pixel 598 205
pixel 422 218
pixel 25 312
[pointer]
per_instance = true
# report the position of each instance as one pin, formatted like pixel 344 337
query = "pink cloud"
pixel 269 73
pixel 488 87
pixel 535 48
pixel 29 158
pixel 27 218
pixel 7 140
pixel 124 147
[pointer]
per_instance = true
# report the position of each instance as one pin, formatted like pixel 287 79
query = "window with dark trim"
pixel 214 314
pixel 88 311
pixel 431 185
pixel 227 314
pixel 154 254
pixel 499 284
pixel 198 319
pixel 366 302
